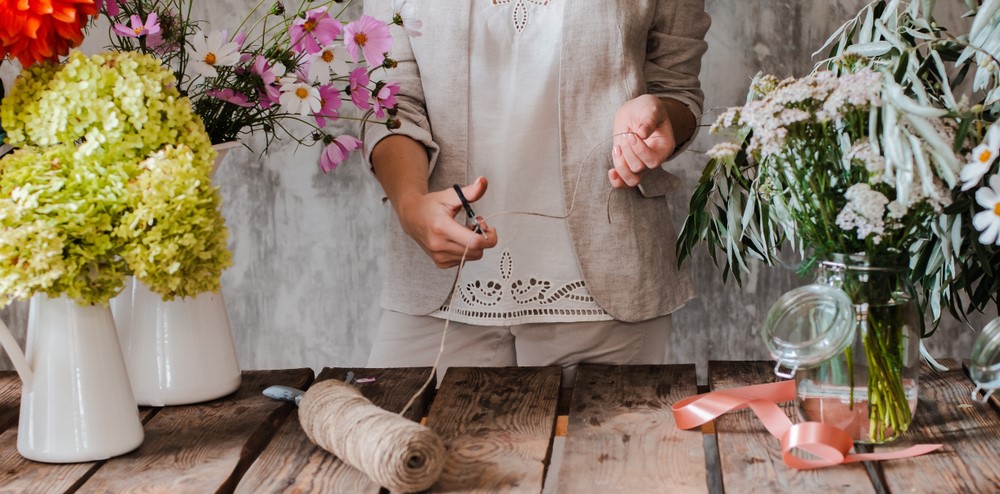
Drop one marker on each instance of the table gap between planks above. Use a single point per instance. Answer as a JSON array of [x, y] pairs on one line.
[[498, 425]]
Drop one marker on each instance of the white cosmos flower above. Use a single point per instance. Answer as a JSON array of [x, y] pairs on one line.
[[209, 52], [330, 58], [299, 97], [982, 159], [988, 221], [405, 12]]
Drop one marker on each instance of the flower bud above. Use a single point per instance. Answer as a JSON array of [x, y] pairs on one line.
[[277, 8]]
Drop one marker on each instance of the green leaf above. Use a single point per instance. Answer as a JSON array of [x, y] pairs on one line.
[[901, 66], [962, 133]]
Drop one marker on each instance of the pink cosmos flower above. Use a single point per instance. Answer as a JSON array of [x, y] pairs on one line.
[[150, 27], [239, 39], [315, 30], [268, 93], [329, 100], [360, 95], [371, 36], [110, 6], [337, 151], [386, 99], [156, 42], [230, 96]]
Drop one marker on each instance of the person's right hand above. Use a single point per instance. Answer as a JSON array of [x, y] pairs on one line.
[[430, 220]]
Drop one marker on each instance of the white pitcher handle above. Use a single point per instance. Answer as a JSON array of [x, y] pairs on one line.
[[9, 343]]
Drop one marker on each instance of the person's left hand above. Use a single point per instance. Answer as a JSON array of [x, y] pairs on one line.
[[644, 139]]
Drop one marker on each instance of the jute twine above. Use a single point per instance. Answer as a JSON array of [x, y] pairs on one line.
[[396, 453]]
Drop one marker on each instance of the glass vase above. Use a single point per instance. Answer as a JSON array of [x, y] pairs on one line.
[[984, 363], [869, 389]]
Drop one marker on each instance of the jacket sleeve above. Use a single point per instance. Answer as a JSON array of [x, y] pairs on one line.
[[674, 49], [412, 112]]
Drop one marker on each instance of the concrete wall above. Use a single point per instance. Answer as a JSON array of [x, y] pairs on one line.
[[308, 246]]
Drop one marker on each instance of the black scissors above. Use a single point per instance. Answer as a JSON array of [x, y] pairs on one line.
[[468, 211]]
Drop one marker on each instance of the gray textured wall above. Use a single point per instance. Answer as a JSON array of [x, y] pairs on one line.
[[308, 246]]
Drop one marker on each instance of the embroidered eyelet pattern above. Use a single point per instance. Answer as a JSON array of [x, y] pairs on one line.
[[519, 16], [532, 297]]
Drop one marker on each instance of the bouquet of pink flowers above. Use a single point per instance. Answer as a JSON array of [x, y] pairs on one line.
[[281, 70]]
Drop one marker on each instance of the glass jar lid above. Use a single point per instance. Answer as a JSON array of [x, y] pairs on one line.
[[807, 326], [984, 367]]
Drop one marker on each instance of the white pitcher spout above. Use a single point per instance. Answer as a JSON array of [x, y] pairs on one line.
[[9, 344]]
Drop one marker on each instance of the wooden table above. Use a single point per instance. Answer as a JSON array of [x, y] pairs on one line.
[[499, 424]]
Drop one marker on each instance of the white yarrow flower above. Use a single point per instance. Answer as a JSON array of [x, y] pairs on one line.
[[864, 153], [864, 212], [209, 52], [299, 97], [988, 221], [402, 10], [724, 150]]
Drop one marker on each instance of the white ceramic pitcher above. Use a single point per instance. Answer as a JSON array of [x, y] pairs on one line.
[[177, 352], [76, 402]]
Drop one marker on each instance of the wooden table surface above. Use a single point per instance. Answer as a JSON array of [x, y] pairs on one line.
[[499, 424]]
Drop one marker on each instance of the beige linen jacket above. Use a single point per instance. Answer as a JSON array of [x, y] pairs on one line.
[[612, 51]]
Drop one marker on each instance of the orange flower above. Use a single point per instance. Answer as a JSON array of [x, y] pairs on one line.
[[37, 30]]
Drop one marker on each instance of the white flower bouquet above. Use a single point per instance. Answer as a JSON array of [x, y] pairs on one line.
[[876, 152], [875, 155]]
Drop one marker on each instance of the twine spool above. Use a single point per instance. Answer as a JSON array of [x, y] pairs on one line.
[[394, 452]]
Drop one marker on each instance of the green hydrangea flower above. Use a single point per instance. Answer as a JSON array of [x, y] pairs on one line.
[[175, 245], [112, 177], [123, 103], [57, 221]]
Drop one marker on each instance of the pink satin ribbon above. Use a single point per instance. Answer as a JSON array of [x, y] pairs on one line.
[[828, 443]]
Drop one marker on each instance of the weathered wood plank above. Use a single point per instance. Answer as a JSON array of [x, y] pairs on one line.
[[970, 432], [10, 399], [20, 475], [205, 447], [622, 436], [292, 463], [25, 476], [750, 457], [497, 425]]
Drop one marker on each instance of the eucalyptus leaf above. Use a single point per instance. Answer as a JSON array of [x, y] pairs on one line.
[[865, 36], [872, 49]]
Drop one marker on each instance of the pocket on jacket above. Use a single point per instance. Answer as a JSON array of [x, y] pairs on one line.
[[658, 182]]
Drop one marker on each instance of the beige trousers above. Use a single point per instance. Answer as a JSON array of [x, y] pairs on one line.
[[404, 340]]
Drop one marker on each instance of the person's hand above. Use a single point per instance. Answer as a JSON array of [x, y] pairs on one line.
[[430, 220], [644, 139]]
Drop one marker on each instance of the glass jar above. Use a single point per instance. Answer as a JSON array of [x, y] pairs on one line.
[[984, 365], [864, 357]]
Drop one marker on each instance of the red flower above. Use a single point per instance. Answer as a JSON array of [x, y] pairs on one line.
[[36, 30]]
